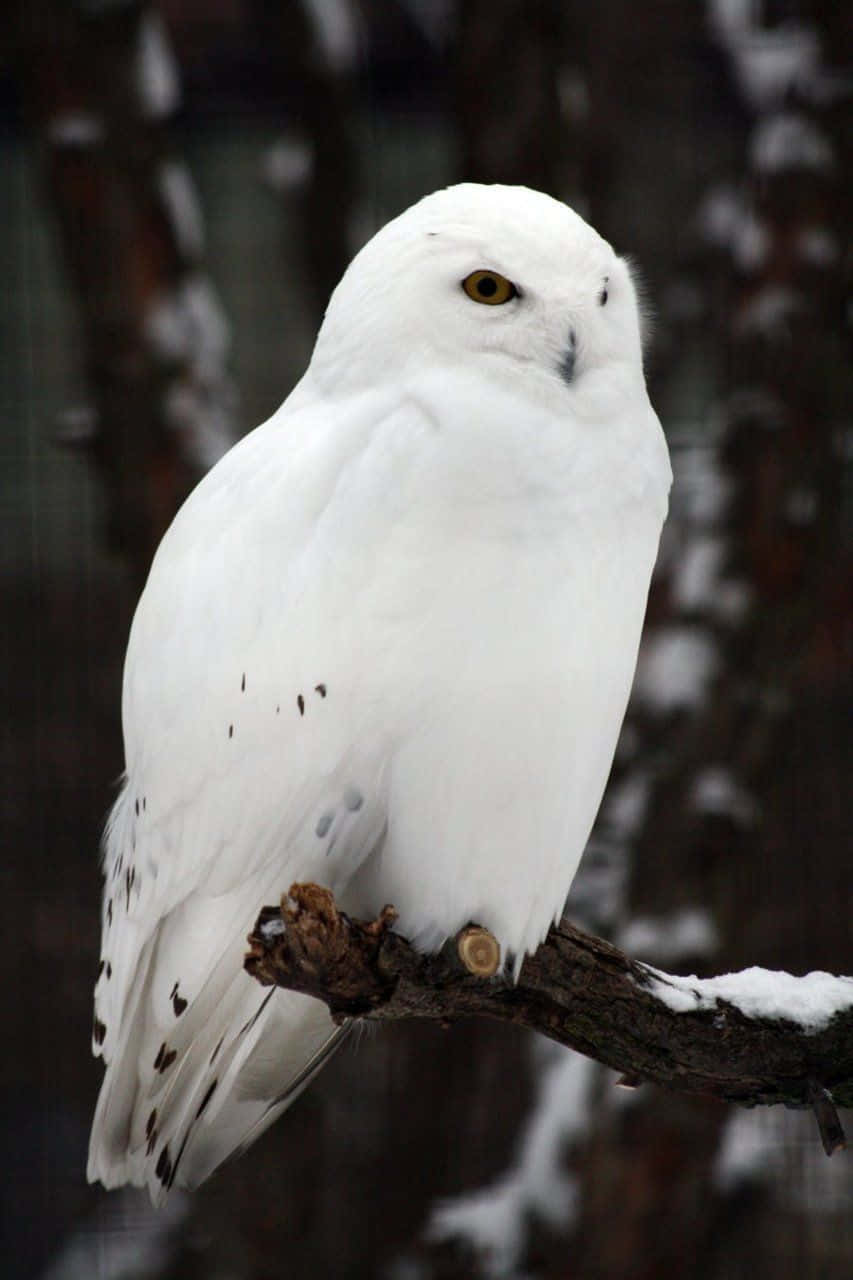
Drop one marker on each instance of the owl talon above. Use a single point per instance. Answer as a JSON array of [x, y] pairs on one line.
[[322, 951]]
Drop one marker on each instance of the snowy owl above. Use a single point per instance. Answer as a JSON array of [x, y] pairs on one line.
[[386, 646]]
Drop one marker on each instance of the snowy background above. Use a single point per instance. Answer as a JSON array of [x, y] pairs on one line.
[[181, 187]]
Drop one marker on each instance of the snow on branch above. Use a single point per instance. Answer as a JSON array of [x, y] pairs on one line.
[[753, 1038]]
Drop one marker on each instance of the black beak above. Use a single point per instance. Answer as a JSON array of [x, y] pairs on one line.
[[567, 364]]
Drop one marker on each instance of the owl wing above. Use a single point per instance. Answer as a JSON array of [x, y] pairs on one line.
[[253, 759]]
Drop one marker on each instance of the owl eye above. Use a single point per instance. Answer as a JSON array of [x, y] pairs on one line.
[[603, 295], [489, 287]]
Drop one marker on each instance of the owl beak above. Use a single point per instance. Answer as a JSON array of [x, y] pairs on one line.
[[567, 364]]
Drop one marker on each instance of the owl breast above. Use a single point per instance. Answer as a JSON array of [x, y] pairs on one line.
[[510, 697]]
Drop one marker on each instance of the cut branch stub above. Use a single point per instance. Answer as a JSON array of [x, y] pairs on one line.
[[479, 951]]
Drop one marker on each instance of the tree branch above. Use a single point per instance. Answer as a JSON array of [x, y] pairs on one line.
[[576, 989]]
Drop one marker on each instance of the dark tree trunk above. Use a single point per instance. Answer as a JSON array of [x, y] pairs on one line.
[[102, 91]]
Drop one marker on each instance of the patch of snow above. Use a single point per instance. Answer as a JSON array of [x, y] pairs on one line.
[[492, 1221], [597, 896], [288, 164], [715, 791], [335, 29], [702, 490], [157, 78], [696, 567], [777, 1146], [750, 243], [189, 323], [76, 129], [790, 141], [272, 928], [694, 584], [129, 1241], [772, 63], [673, 992], [188, 328], [573, 93], [727, 222], [178, 192], [733, 18], [676, 668], [203, 416], [718, 216], [560, 1121], [489, 1222], [748, 1151], [669, 939], [769, 62], [770, 312], [625, 805], [811, 1000]]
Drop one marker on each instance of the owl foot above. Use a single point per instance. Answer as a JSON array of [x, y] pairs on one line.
[[320, 951]]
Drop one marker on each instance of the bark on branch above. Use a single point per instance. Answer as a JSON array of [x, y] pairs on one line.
[[576, 989]]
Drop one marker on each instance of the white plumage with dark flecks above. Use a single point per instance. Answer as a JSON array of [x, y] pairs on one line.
[[386, 646]]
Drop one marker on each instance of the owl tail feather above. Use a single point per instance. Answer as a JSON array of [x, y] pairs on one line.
[[184, 1091]]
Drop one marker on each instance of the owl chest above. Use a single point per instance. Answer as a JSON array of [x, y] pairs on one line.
[[501, 621], [506, 699]]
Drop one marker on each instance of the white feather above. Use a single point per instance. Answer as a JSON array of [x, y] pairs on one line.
[[386, 645]]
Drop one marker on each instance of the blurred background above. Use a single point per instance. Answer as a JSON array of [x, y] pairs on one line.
[[181, 185]]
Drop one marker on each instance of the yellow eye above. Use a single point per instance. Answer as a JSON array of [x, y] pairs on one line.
[[489, 287]]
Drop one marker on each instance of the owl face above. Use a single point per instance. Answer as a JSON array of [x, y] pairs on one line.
[[499, 279]]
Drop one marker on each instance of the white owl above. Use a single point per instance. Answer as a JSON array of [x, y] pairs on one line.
[[385, 646]]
